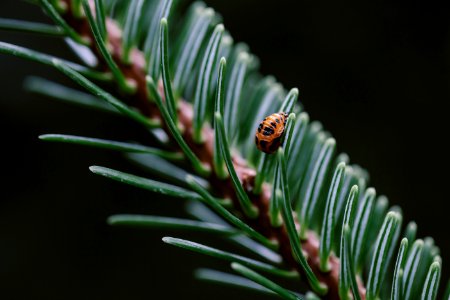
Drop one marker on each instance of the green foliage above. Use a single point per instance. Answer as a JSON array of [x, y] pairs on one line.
[[51, 10], [167, 82], [397, 288], [432, 282], [152, 44], [314, 183], [202, 91], [100, 18], [219, 146], [286, 212], [285, 294], [49, 60], [101, 45], [31, 27], [144, 183], [344, 275], [111, 145], [411, 268], [329, 221], [311, 192], [67, 95], [196, 247], [197, 164], [227, 279], [380, 262], [130, 28], [347, 263], [227, 215], [170, 223]]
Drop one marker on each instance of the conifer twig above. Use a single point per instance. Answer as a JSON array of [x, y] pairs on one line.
[[135, 72]]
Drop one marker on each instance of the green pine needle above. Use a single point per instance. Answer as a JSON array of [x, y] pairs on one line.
[[56, 17], [206, 250], [329, 221], [397, 282], [411, 231], [152, 42], [412, 265], [195, 161], [347, 261], [100, 18], [165, 70], [286, 211], [274, 208], [145, 183], [203, 213], [314, 186], [307, 151], [218, 158], [234, 93], [289, 130], [124, 84], [378, 215], [130, 28], [30, 27], [111, 145], [141, 221], [247, 206], [290, 101], [344, 275], [227, 279], [75, 7], [431, 285], [48, 60], [296, 150], [252, 275], [94, 89], [265, 167], [229, 216], [380, 261], [203, 93], [189, 43], [68, 95], [163, 169], [362, 219]]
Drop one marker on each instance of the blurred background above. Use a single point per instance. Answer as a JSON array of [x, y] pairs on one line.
[[375, 73]]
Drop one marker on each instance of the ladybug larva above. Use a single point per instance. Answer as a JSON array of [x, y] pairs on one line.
[[270, 132]]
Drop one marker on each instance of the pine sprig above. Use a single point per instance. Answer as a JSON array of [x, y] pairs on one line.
[[297, 182]]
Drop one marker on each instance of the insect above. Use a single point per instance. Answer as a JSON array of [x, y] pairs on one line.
[[270, 132]]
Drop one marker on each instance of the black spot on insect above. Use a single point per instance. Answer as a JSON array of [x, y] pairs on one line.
[[256, 140], [266, 133], [268, 129], [263, 144], [275, 144], [277, 120], [259, 129], [273, 124]]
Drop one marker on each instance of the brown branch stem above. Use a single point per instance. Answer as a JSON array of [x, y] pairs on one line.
[[136, 72]]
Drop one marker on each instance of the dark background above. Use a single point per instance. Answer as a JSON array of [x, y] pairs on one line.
[[376, 73]]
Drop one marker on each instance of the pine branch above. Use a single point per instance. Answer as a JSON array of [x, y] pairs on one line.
[[260, 210], [134, 70]]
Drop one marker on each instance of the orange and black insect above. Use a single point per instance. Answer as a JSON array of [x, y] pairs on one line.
[[270, 132]]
